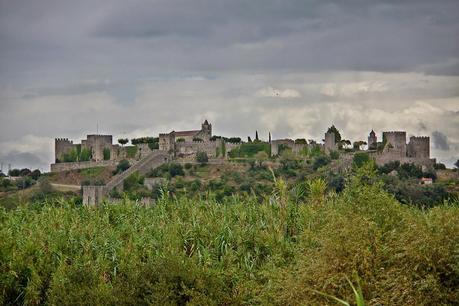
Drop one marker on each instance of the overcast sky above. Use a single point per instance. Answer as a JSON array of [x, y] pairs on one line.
[[141, 67]]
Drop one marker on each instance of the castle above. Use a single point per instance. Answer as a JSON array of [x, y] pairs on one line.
[[394, 148], [99, 150]]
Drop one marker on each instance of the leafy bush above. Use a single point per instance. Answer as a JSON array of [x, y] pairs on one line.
[[250, 149], [131, 151], [201, 157], [320, 161], [176, 169], [123, 165], [360, 159], [106, 153], [188, 166], [152, 140], [14, 172], [133, 182], [334, 154]]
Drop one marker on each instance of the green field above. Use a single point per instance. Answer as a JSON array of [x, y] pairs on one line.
[[239, 251]]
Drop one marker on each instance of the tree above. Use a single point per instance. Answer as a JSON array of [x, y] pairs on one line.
[[123, 141], [35, 174], [25, 172], [123, 165], [249, 139], [358, 144], [300, 141], [256, 136], [457, 164], [14, 172], [176, 169], [261, 157], [201, 157], [335, 131]]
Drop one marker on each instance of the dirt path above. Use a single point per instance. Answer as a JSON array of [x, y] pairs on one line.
[[64, 187]]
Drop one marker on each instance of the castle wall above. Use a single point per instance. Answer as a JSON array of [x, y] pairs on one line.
[[62, 146], [166, 141], [188, 149], [97, 143], [92, 195], [395, 143], [419, 147], [296, 147], [330, 142], [59, 167]]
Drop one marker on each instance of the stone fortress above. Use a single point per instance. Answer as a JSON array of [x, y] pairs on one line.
[[184, 145]]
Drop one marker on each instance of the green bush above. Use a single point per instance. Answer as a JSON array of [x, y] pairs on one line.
[[250, 149], [201, 157], [123, 165], [360, 159], [131, 151], [176, 169], [106, 153], [334, 154], [133, 182], [320, 161]]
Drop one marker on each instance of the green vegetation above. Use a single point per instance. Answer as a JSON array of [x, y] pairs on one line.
[[201, 157], [77, 154], [106, 153], [360, 159], [123, 141], [131, 151], [280, 251], [250, 149], [123, 165]]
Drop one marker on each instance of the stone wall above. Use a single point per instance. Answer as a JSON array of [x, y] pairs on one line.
[[188, 149], [382, 158], [59, 167], [296, 147], [62, 146], [419, 147], [395, 143], [330, 142], [92, 195]]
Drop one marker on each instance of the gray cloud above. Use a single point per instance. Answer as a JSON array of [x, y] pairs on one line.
[[440, 140], [289, 67]]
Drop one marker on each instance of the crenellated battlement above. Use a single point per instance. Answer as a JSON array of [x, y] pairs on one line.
[[63, 141], [420, 138], [397, 133]]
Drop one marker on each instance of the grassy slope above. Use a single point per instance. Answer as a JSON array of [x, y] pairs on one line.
[[201, 252]]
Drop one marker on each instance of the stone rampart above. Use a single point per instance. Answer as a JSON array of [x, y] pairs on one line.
[[59, 167]]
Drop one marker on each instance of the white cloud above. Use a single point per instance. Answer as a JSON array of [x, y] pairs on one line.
[[278, 93]]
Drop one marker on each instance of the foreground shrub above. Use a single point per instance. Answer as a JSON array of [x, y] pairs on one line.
[[201, 252]]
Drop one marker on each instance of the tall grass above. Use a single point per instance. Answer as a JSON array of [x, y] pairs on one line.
[[201, 252]]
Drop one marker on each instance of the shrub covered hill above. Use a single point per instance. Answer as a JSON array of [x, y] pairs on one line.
[[302, 245]]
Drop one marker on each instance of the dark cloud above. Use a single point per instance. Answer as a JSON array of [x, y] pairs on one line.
[[145, 66], [440, 141], [22, 160]]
